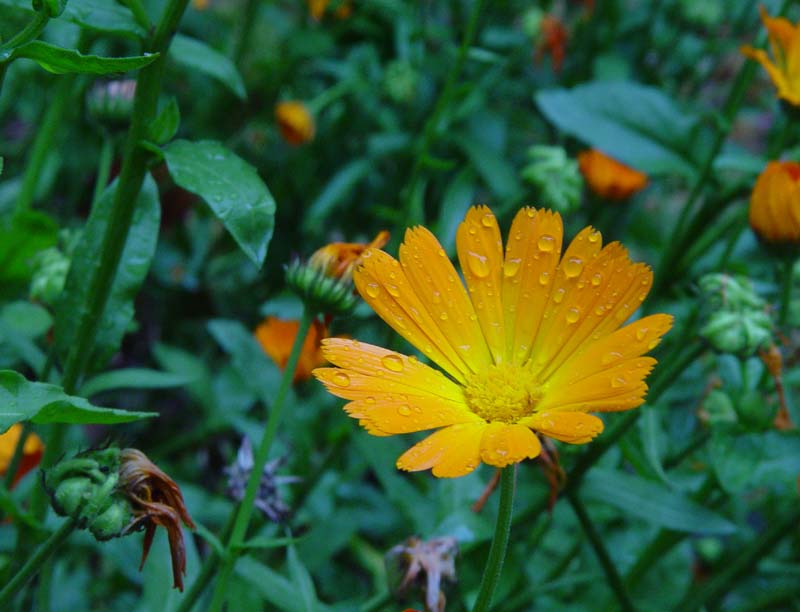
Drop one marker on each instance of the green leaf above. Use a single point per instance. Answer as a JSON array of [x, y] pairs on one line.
[[197, 55], [133, 378], [231, 187], [652, 502], [458, 197], [639, 125], [103, 16], [498, 174], [29, 319], [62, 61], [134, 264], [165, 126], [22, 236], [335, 192], [273, 587], [182, 363], [23, 400], [302, 581]]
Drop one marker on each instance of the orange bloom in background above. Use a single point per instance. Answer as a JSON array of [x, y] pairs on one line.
[[609, 178], [295, 122], [784, 67], [531, 346], [317, 8], [338, 259], [31, 452], [277, 336], [554, 37], [201, 5], [775, 203]]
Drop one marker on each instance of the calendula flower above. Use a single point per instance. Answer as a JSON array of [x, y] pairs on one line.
[[775, 203], [531, 345], [609, 178], [316, 8], [31, 452], [276, 337], [784, 67], [295, 122], [338, 259]]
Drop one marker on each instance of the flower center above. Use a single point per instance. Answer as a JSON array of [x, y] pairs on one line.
[[503, 393]]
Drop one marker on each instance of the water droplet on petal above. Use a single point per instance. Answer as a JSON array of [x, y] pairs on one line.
[[597, 278], [641, 333], [618, 381], [370, 400], [511, 267], [611, 357], [544, 278], [594, 236], [443, 316], [559, 295], [403, 410], [653, 344], [487, 220], [573, 267], [373, 290], [546, 243], [393, 363], [341, 379], [573, 314], [478, 264]]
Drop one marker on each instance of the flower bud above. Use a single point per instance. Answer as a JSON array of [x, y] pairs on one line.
[[742, 333], [50, 268], [110, 103], [556, 176], [295, 122], [400, 81], [736, 293]]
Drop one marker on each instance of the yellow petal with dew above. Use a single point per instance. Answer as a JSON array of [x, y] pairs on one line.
[[570, 427], [503, 444], [451, 452]]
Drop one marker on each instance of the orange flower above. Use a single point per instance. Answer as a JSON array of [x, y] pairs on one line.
[[784, 68], [295, 122], [276, 338], [609, 178], [775, 203], [338, 259], [317, 8], [531, 346], [200, 5], [554, 40], [31, 452]]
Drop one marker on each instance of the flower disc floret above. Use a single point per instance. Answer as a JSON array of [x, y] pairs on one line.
[[504, 393]]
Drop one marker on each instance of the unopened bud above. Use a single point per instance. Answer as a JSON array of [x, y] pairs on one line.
[[742, 333], [400, 81], [556, 176], [110, 103], [50, 268]]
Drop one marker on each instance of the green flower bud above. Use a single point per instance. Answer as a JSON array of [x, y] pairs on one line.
[[400, 81], [111, 522], [709, 549], [736, 293], [51, 8], [742, 333], [556, 177], [753, 411], [70, 495], [718, 408], [322, 292], [50, 268], [111, 103]]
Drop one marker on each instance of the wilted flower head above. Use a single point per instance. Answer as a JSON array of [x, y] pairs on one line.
[[784, 67], [532, 344], [113, 492], [775, 203], [418, 565], [268, 498], [295, 122], [608, 177], [276, 337], [31, 452], [338, 259]]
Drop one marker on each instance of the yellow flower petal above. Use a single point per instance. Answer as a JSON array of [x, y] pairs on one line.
[[451, 452], [439, 288], [382, 283], [571, 427], [480, 252], [503, 444], [532, 254]]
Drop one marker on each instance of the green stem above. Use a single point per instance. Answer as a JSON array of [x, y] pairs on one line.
[[262, 454], [413, 213], [740, 564], [43, 143], [103, 166], [243, 40], [35, 562], [497, 552], [786, 290], [28, 33], [610, 570]]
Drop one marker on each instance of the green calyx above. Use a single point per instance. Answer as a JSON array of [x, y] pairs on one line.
[[320, 292], [85, 489], [556, 176]]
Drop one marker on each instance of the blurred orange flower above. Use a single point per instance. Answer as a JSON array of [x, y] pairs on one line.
[[609, 178], [338, 259], [201, 5], [31, 452], [531, 346], [554, 37], [295, 122], [784, 67], [317, 8], [775, 203], [276, 337]]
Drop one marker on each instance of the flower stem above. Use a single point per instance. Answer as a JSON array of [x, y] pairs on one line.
[[497, 552], [35, 562], [103, 166], [245, 512], [610, 570]]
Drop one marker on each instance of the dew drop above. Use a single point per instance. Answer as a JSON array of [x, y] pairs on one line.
[[597, 278], [393, 290], [472, 230], [618, 381], [573, 314], [610, 358], [511, 267], [393, 363], [403, 410], [573, 267], [641, 333], [600, 311], [544, 278], [437, 297], [478, 265], [373, 290], [370, 400], [546, 243], [341, 379], [594, 236], [487, 220], [443, 316], [653, 344], [559, 295]]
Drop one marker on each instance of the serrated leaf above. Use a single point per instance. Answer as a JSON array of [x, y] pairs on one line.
[[232, 189], [132, 378], [131, 272], [23, 400], [165, 125], [641, 126], [62, 61], [652, 502], [197, 55]]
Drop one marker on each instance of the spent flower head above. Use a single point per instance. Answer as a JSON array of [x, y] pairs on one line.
[[532, 345], [422, 566]]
